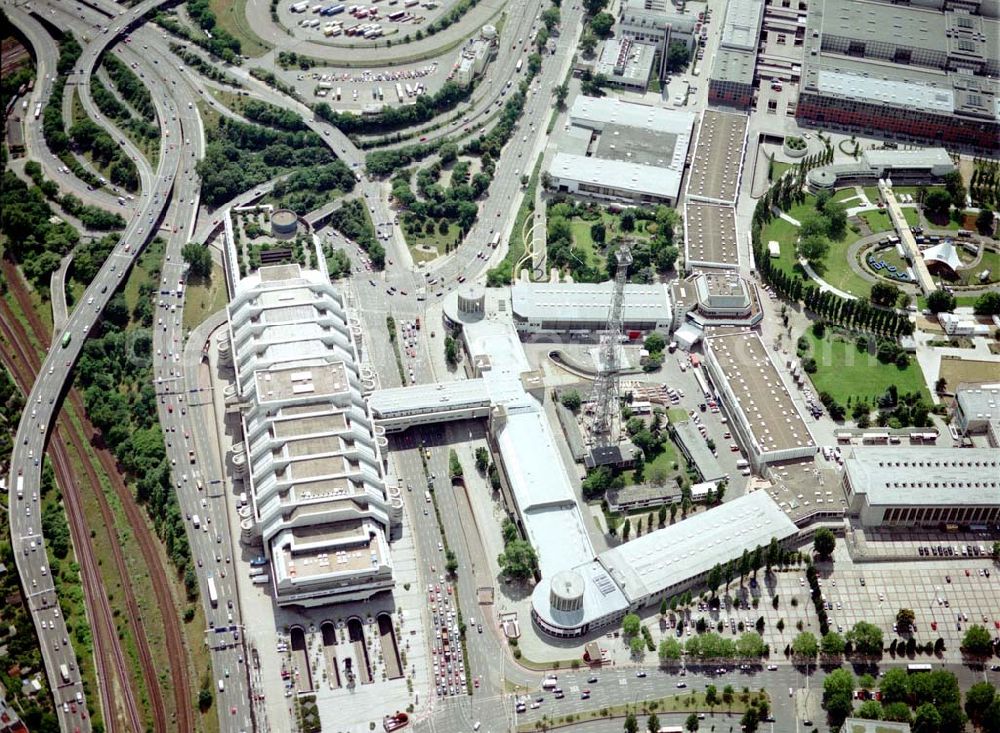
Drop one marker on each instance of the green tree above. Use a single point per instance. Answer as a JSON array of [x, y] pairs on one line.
[[824, 543], [750, 720], [678, 56], [805, 646], [450, 351], [601, 24], [904, 620], [987, 304], [482, 459], [813, 247], [894, 685], [978, 698], [832, 644], [984, 222], [631, 624], [653, 723], [204, 700], [626, 529], [750, 645], [518, 560], [199, 258], [937, 204], [588, 42], [926, 719], [941, 301], [714, 579], [655, 342], [669, 650], [977, 642], [838, 694], [836, 215], [691, 724], [869, 710], [571, 400], [990, 721], [711, 695], [631, 724], [865, 638]]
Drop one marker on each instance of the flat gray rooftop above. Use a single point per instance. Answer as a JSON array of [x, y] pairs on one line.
[[763, 399], [718, 156], [636, 145], [662, 559], [710, 234], [919, 475]]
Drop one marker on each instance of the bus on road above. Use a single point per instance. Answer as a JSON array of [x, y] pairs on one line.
[[67, 337], [20, 485], [911, 668], [213, 596], [495, 242]]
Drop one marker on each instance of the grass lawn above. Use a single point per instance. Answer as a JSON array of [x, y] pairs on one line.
[[845, 372], [150, 258], [834, 268], [991, 262], [232, 16], [780, 168], [676, 415], [837, 271], [845, 194], [874, 197], [687, 703], [665, 459], [879, 221], [203, 298], [435, 239], [785, 233]]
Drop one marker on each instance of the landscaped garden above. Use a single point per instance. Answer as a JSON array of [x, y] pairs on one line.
[[847, 373], [831, 263]]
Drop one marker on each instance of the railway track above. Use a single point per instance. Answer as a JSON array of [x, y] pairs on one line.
[[23, 365], [149, 546]]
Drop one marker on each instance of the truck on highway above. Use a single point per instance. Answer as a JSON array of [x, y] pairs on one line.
[[64, 671], [20, 485], [213, 595], [495, 242], [520, 64], [196, 521], [38, 110]]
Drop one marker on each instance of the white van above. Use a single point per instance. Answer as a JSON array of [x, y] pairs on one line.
[[550, 683], [222, 685]]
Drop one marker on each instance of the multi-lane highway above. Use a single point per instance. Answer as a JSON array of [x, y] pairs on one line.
[[36, 422], [168, 205]]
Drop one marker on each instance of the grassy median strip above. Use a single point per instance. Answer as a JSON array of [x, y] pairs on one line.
[[502, 274], [693, 702]]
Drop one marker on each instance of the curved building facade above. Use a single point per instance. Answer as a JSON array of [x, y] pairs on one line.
[[315, 466]]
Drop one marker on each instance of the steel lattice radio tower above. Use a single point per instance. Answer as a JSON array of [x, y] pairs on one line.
[[605, 397]]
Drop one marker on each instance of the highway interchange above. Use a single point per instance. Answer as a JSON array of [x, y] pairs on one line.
[[169, 206]]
